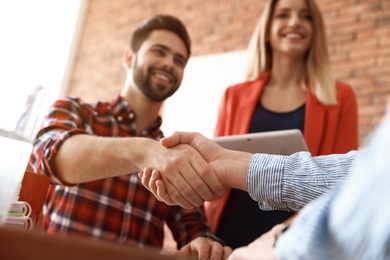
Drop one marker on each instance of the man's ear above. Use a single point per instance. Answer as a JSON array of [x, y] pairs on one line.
[[127, 59]]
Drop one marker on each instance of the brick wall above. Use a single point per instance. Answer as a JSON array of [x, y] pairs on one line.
[[359, 42]]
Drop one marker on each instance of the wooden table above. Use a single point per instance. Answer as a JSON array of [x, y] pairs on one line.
[[15, 244]]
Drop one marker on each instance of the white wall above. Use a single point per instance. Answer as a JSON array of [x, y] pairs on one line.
[[194, 107]]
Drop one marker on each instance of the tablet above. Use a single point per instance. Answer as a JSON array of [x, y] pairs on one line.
[[283, 142]]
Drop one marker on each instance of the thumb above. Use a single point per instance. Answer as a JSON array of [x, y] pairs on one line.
[[171, 141]]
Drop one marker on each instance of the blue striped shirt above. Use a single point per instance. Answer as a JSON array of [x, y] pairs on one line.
[[290, 182], [349, 213]]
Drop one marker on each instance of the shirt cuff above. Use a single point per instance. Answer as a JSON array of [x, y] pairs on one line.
[[264, 180]]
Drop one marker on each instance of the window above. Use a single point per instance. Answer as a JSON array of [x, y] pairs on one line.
[[37, 41]]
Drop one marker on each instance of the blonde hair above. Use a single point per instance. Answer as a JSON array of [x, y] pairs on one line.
[[318, 68]]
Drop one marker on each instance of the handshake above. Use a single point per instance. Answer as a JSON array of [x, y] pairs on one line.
[[199, 173]]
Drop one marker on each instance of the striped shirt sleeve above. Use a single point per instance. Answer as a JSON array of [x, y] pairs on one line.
[[290, 182]]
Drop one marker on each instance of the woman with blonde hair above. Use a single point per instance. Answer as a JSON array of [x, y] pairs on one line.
[[289, 85]]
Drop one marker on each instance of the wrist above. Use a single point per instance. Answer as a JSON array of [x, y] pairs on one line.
[[236, 170]]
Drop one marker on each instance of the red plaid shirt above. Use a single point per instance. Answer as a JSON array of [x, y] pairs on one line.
[[117, 209]]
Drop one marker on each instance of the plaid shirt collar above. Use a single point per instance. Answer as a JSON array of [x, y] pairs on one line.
[[124, 114]]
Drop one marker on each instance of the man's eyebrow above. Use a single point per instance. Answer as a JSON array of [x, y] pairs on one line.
[[285, 9], [162, 46]]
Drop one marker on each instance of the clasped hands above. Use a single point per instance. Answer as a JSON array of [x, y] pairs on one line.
[[205, 176], [210, 171]]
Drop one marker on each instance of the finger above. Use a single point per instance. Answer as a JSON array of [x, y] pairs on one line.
[[175, 188], [163, 194], [227, 251], [157, 187], [180, 174], [214, 186], [192, 175], [159, 190], [185, 250], [208, 186], [170, 141], [145, 177], [198, 247], [216, 251], [187, 181], [203, 179], [152, 183], [198, 181], [178, 196], [193, 193], [179, 138], [148, 182]]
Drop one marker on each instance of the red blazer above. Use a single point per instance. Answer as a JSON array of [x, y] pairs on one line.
[[327, 129]]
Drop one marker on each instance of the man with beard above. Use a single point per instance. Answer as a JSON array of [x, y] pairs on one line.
[[94, 192]]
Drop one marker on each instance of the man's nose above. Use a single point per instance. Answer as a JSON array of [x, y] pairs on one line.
[[168, 62]]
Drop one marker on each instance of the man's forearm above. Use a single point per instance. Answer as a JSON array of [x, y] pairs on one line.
[[83, 158]]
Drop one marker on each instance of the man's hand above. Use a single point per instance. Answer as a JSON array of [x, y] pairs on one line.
[[188, 178], [205, 248], [229, 166], [152, 181], [261, 248]]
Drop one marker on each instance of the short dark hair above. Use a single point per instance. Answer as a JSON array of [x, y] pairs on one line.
[[160, 22]]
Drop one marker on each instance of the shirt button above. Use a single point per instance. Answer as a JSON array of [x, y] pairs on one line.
[[131, 115], [119, 118]]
